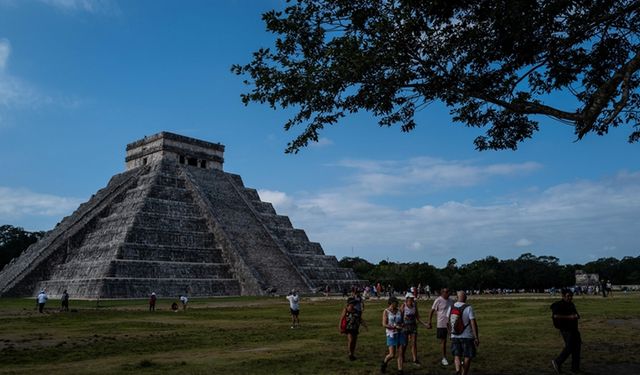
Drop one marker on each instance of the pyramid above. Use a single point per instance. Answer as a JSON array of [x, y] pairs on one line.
[[174, 222]]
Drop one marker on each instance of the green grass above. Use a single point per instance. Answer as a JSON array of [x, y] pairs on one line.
[[251, 335]]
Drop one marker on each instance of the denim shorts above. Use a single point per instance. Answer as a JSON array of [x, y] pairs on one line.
[[463, 348], [398, 339]]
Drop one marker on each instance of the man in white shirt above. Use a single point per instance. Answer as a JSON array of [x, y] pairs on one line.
[[465, 341], [441, 306], [294, 308], [42, 299]]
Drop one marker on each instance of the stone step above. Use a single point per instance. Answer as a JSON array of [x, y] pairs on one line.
[[315, 260], [291, 234], [170, 238], [170, 207], [308, 248], [264, 207], [150, 220], [166, 253], [250, 194], [169, 193], [142, 269], [141, 287], [173, 270], [276, 221]]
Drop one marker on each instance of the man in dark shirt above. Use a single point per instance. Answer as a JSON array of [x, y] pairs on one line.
[[565, 318]]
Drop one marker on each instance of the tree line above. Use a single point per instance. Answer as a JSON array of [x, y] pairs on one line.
[[528, 272]]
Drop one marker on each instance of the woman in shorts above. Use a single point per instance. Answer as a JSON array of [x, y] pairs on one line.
[[411, 318], [392, 321]]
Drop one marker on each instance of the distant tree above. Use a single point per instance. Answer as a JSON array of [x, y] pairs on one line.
[[13, 241], [360, 266], [495, 64], [630, 270]]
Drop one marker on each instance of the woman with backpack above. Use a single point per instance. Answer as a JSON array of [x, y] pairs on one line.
[[350, 322], [392, 321]]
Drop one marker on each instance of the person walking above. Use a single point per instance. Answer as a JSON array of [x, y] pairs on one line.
[[392, 321], [464, 334], [411, 318], [184, 300], [294, 308], [64, 301], [440, 307], [565, 318], [41, 300], [152, 301], [350, 321], [358, 300]]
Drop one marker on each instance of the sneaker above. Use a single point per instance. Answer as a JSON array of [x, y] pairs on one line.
[[352, 358], [383, 367], [417, 363], [556, 366], [444, 362], [292, 327], [400, 372]]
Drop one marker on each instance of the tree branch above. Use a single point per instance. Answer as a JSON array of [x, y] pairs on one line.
[[601, 98]]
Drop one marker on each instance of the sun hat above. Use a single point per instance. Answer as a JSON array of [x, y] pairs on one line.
[[409, 295]]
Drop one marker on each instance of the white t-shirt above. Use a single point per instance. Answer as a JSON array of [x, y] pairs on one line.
[[294, 302], [442, 306], [184, 300], [467, 315], [42, 298]]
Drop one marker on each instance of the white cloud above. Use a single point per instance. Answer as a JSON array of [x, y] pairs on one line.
[[393, 176], [13, 91], [322, 142], [16, 93], [88, 6], [569, 220], [5, 51], [17, 203], [416, 245], [523, 242], [277, 198]]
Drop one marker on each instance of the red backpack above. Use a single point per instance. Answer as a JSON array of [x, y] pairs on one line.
[[456, 322]]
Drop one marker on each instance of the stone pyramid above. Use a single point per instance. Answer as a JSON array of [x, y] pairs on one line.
[[174, 222]]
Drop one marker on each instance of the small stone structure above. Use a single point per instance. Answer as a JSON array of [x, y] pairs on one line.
[[174, 222]]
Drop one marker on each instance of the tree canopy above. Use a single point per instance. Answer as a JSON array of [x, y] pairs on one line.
[[496, 64], [13, 241]]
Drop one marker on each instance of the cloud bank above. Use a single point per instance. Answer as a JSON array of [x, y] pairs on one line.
[[16, 203], [577, 221]]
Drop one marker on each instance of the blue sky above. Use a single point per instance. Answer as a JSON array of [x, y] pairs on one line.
[[79, 79]]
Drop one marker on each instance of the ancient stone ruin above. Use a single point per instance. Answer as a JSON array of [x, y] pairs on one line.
[[174, 222]]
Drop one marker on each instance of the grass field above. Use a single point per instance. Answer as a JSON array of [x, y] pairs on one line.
[[249, 335]]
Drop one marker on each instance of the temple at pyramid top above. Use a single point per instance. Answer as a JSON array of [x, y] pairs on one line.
[[173, 223], [184, 150]]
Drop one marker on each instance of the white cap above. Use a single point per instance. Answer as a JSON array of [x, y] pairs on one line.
[[409, 295]]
